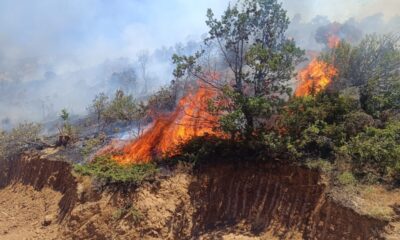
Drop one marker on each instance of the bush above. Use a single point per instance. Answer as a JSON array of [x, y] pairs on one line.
[[211, 149], [347, 179], [320, 164], [356, 122], [109, 171], [377, 152]]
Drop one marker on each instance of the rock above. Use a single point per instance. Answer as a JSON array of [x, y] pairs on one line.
[[48, 219]]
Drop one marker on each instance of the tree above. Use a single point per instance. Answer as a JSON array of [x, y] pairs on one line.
[[99, 105], [373, 66], [143, 59], [251, 39], [125, 108], [66, 132]]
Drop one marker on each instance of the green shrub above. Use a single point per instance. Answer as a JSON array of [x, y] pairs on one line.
[[108, 170], [356, 122], [207, 149], [377, 152], [347, 179], [321, 164]]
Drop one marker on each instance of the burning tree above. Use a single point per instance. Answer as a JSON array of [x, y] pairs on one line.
[[250, 37], [372, 66]]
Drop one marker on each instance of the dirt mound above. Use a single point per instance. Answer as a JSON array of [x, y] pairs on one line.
[[214, 202]]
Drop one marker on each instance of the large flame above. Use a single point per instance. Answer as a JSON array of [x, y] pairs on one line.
[[315, 77], [189, 119]]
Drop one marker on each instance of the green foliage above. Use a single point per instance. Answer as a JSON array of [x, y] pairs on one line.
[[99, 106], [251, 38], [64, 115], [300, 113], [373, 66], [356, 122], [313, 126], [380, 95], [124, 108], [347, 179], [320, 164], [210, 149], [109, 171], [376, 152]]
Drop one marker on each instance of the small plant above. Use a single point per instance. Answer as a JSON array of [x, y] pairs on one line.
[[347, 179], [118, 214], [135, 214], [108, 170], [323, 165], [127, 211]]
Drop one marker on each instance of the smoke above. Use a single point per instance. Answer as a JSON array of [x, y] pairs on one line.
[[59, 54]]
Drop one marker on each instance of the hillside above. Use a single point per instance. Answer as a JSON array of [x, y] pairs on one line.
[[214, 202]]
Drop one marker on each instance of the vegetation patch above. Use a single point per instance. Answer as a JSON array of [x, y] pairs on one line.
[[106, 169]]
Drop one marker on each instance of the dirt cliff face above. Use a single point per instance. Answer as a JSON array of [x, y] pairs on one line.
[[284, 202], [214, 202], [31, 170]]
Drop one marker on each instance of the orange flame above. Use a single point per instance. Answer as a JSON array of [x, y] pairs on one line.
[[315, 78], [189, 119]]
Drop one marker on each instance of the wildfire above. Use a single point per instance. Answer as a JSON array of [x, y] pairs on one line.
[[189, 119], [315, 77]]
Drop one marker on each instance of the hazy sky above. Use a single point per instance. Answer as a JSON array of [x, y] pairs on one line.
[[89, 31]]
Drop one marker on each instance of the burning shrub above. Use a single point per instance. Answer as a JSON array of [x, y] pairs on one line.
[[106, 169], [251, 37], [331, 34], [373, 66]]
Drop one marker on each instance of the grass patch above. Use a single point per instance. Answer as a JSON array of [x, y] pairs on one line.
[[108, 170], [347, 179]]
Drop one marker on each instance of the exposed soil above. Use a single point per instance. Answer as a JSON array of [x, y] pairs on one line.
[[28, 214], [214, 202]]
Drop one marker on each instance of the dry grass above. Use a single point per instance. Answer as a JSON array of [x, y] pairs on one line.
[[378, 202]]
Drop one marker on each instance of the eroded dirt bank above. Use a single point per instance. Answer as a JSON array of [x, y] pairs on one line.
[[213, 202]]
